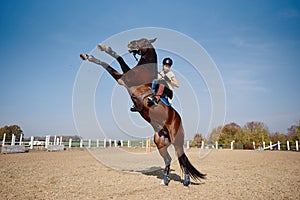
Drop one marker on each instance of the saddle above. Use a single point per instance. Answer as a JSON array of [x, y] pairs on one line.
[[138, 100]]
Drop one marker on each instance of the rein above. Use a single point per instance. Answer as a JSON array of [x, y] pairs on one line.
[[134, 55]]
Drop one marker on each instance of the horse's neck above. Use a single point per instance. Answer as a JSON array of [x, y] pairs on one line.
[[149, 57], [144, 72]]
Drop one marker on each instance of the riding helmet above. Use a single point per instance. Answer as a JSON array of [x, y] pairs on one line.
[[168, 61]]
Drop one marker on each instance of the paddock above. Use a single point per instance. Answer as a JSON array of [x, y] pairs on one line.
[[76, 174]]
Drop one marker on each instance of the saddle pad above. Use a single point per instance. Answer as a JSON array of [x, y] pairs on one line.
[[165, 101]]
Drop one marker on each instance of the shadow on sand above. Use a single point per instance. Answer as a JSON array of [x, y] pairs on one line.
[[158, 173]]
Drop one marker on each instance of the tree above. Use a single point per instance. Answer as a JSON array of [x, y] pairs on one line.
[[275, 137], [197, 140], [9, 130], [229, 133], [215, 134], [256, 132], [294, 133]]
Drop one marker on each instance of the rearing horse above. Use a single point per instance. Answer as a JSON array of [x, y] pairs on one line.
[[165, 120]]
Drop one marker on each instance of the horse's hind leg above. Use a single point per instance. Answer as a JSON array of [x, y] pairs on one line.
[[102, 47], [114, 73], [162, 144], [185, 165]]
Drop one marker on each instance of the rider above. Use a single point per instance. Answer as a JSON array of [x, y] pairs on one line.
[[165, 82], [163, 85]]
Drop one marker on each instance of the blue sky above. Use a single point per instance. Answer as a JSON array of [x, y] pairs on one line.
[[255, 45]]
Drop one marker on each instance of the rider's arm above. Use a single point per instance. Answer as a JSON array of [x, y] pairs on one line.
[[174, 82]]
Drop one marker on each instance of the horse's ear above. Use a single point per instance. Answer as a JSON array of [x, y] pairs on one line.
[[153, 40]]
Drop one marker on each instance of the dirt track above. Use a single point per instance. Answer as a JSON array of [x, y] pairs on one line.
[[76, 174]]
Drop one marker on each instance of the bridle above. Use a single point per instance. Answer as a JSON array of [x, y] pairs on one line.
[[139, 47]]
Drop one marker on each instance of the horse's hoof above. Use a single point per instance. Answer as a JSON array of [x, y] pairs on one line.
[[84, 56], [163, 182], [186, 180], [101, 47], [166, 180], [186, 183]]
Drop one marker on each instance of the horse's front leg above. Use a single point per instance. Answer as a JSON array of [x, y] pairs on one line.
[[102, 47], [114, 73], [162, 144]]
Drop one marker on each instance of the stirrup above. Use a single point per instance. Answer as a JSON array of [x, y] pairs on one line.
[[152, 101]]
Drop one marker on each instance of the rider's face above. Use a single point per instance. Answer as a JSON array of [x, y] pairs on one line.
[[166, 68]]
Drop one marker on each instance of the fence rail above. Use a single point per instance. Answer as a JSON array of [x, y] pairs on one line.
[[51, 141]]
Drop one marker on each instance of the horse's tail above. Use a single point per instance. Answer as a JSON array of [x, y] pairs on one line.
[[188, 168]]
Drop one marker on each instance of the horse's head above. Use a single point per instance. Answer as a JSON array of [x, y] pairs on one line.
[[146, 68], [140, 46]]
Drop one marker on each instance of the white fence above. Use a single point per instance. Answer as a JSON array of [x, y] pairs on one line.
[[58, 141], [271, 146], [51, 141]]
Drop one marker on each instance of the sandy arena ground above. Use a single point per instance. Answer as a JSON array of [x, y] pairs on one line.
[[76, 174]]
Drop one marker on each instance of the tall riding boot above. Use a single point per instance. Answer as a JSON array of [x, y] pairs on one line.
[[160, 91]]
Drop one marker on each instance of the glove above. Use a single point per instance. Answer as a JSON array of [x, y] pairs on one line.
[[167, 79]]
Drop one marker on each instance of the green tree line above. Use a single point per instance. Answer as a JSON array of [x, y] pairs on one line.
[[252, 132]]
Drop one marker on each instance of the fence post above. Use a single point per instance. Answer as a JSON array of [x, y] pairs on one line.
[[3, 141], [264, 144], [232, 144], [81, 143], [278, 144], [128, 144], [148, 145], [90, 143], [202, 144], [54, 141], [115, 142], [60, 141], [12, 140], [31, 142], [70, 142], [217, 145], [21, 137], [121, 143], [188, 144], [97, 143], [297, 145], [46, 141], [253, 145], [288, 145], [109, 142]]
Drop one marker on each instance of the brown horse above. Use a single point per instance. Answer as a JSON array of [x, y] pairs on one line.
[[165, 120]]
